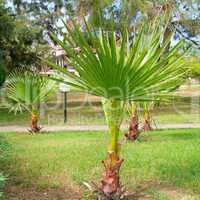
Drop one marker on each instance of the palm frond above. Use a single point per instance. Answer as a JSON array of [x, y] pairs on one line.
[[26, 89], [119, 70]]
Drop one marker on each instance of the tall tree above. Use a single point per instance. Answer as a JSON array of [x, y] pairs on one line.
[[6, 32], [183, 16], [20, 42], [45, 14]]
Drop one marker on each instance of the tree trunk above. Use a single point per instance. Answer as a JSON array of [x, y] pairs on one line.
[[110, 183], [133, 131], [147, 122], [166, 35], [34, 122]]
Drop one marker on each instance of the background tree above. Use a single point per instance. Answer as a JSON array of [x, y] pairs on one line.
[[183, 17], [6, 31], [2, 75], [20, 42]]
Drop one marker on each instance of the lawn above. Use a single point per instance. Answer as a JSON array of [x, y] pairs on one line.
[[94, 116], [163, 163]]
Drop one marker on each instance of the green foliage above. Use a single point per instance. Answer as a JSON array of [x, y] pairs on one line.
[[20, 43], [6, 32], [26, 89], [196, 70], [194, 64], [2, 180], [121, 71], [2, 75], [43, 15], [147, 106]]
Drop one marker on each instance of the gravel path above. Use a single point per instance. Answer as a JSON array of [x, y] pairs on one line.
[[91, 127]]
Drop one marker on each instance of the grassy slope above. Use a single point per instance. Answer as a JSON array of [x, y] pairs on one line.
[[168, 157]]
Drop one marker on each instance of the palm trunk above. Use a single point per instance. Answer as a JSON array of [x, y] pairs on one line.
[[34, 122], [147, 122], [110, 183], [133, 131]]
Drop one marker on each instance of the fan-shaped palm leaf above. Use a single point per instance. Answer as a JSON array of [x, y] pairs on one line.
[[122, 72], [25, 90]]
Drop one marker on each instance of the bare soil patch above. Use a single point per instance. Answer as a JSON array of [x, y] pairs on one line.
[[19, 193], [178, 194]]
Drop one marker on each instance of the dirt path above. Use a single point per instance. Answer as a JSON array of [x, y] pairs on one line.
[[91, 127], [19, 193]]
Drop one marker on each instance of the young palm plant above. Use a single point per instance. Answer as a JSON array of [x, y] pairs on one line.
[[133, 131], [147, 108], [25, 91], [119, 72]]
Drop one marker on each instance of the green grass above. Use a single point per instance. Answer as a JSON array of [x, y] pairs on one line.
[[164, 158], [162, 118], [9, 118], [93, 116]]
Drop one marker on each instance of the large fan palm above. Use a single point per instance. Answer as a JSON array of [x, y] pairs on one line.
[[119, 71], [25, 90]]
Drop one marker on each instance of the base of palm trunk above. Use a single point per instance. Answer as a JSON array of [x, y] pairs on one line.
[[133, 132], [35, 129], [110, 188], [147, 125], [34, 125], [110, 184]]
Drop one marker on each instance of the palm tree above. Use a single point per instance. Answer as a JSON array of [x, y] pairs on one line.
[[25, 90], [133, 131], [147, 107], [119, 72]]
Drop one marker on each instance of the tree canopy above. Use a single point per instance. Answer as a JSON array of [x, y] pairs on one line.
[[25, 25], [20, 42]]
